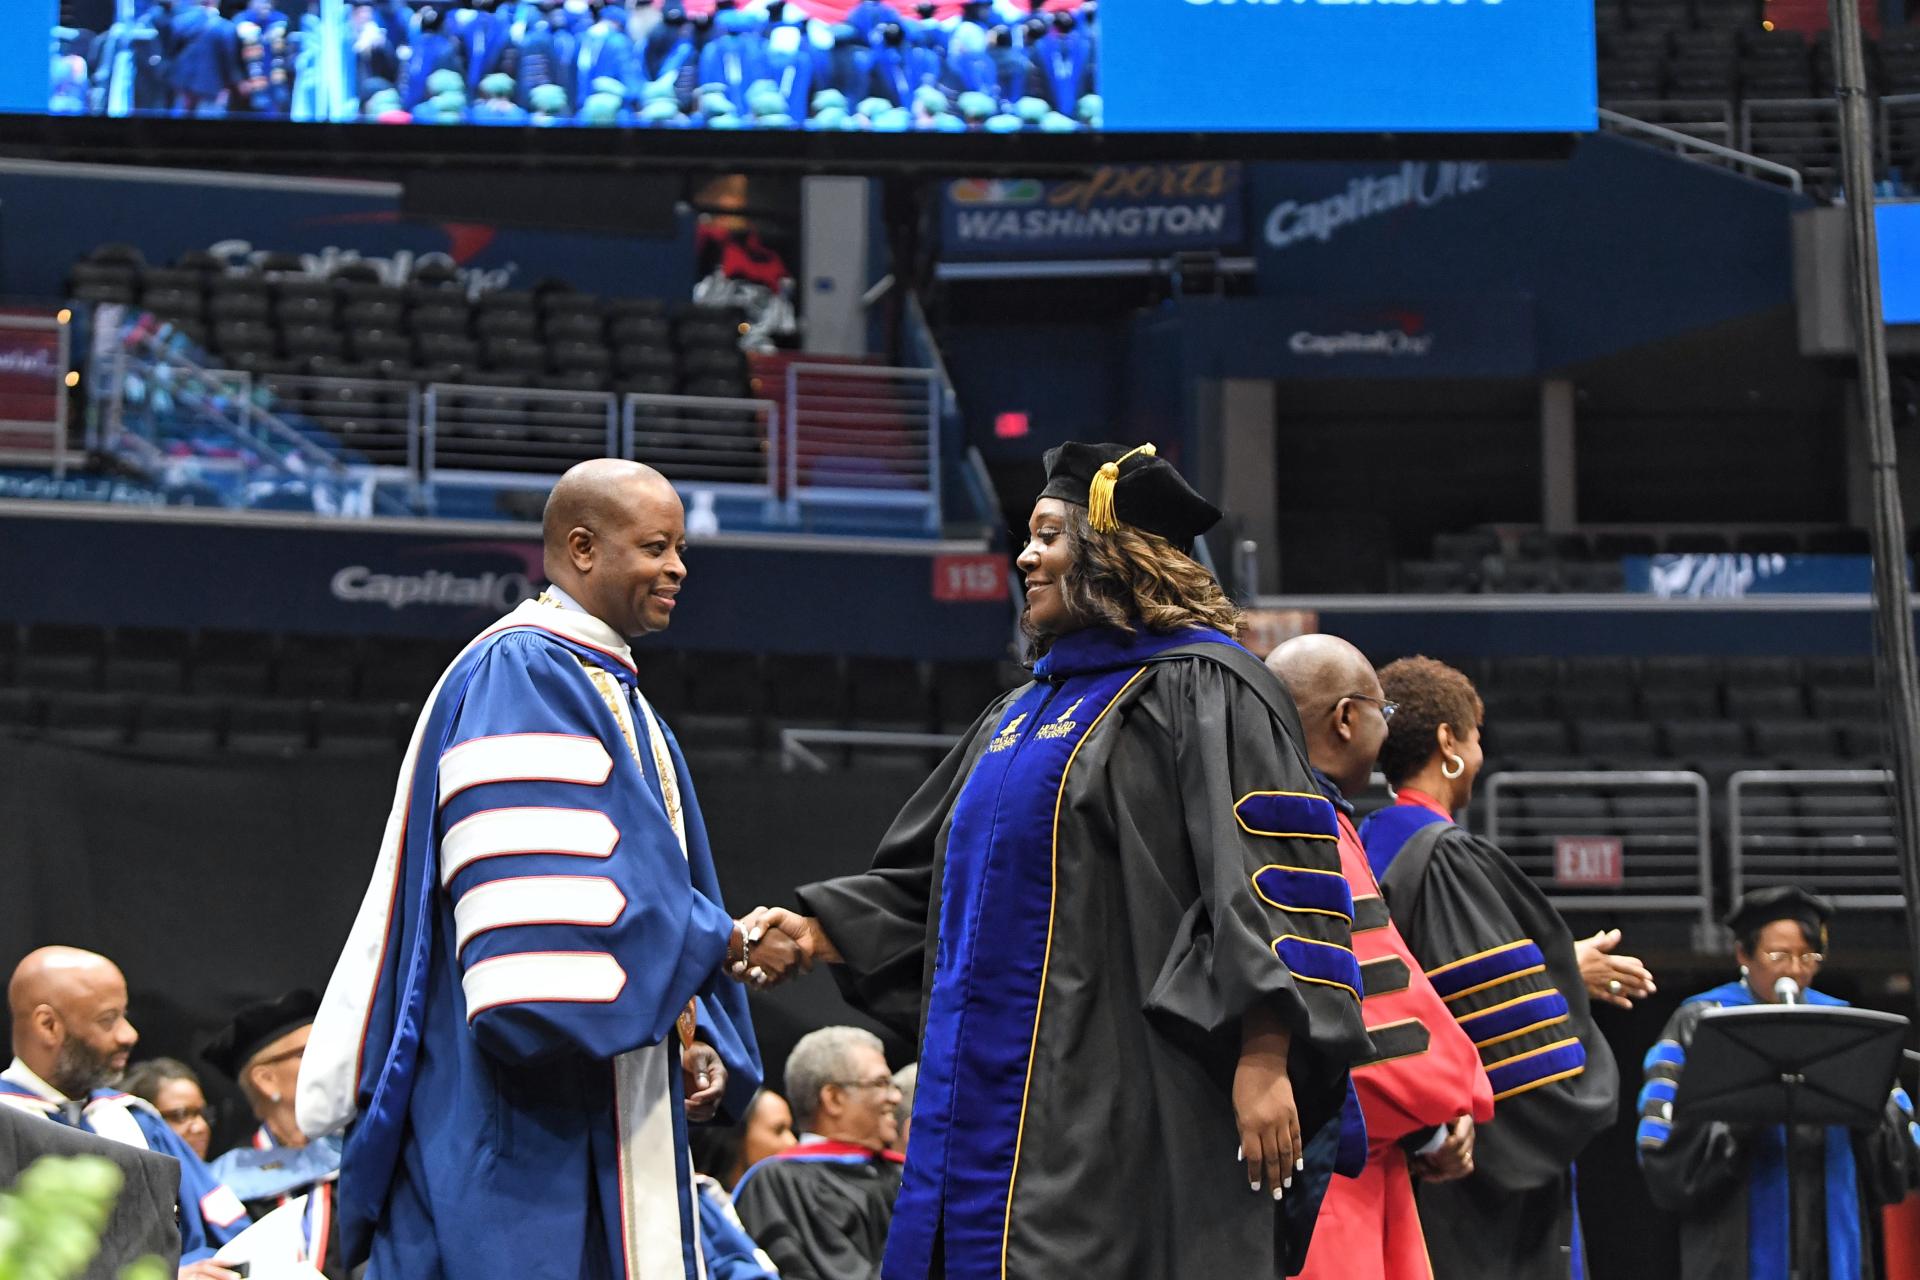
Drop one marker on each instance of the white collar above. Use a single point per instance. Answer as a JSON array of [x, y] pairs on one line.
[[562, 599], [23, 1075], [572, 623]]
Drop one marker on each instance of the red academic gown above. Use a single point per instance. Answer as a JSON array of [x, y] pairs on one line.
[[1425, 1073]]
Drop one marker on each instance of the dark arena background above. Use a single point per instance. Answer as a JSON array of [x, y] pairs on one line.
[[1512, 333]]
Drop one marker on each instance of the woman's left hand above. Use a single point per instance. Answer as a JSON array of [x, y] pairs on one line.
[[1618, 980], [1264, 1109]]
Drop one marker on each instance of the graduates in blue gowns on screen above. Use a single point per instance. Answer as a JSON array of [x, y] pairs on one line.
[[1729, 1183]]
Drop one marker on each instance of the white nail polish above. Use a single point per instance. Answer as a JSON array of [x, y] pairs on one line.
[[1277, 1193], [1299, 1164], [1240, 1153], [1286, 1183], [1254, 1187]]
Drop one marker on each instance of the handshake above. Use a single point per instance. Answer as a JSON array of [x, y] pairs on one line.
[[774, 945]]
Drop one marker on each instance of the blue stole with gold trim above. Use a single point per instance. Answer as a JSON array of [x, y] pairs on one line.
[[996, 938]]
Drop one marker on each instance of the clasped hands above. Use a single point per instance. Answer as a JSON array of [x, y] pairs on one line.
[[772, 945]]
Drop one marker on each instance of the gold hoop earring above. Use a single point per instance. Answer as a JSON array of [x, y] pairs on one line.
[[1453, 768]]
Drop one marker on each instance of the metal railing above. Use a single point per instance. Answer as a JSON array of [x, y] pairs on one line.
[[864, 430], [1801, 127], [1827, 830], [719, 444], [1701, 131], [369, 421], [1899, 134], [858, 435], [472, 433], [1608, 840]]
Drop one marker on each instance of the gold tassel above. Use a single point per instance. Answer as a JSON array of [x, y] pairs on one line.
[[1100, 513]]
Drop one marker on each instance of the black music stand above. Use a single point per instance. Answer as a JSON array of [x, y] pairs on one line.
[[1792, 1064]]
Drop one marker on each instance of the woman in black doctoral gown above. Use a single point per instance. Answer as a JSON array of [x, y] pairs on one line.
[[1116, 919]]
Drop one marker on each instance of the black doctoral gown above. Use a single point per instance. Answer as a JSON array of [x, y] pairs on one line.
[[1076, 909], [1502, 959], [820, 1210], [1728, 1182]]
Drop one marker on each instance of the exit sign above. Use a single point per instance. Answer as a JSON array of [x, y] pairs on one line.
[[1588, 861]]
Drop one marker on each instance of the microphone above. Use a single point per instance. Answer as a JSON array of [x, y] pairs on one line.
[[1786, 990]]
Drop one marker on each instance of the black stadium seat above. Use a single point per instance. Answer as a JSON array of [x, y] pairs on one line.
[[1526, 739], [21, 711], [1756, 703], [268, 727], [172, 723], [346, 728], [1795, 744], [1597, 700], [1701, 740], [88, 719], [1848, 703], [1617, 740]]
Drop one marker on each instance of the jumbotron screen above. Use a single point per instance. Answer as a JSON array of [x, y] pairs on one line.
[[887, 66]]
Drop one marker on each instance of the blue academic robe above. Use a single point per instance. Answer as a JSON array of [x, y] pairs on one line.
[[734, 62], [667, 50], [792, 74], [483, 37], [606, 52], [1065, 65], [266, 1170], [210, 1213], [432, 51], [502, 1022]]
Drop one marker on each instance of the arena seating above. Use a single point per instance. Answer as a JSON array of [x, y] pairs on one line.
[[1710, 715], [256, 693], [1531, 561], [278, 318], [1713, 69]]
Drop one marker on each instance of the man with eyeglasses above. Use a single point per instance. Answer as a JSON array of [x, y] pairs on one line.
[[261, 1051], [1422, 1088], [1729, 1182], [821, 1209]]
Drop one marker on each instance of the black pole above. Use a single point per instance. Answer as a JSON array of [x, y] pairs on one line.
[[1894, 663]]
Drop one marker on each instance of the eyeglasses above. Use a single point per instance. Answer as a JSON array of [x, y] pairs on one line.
[[1798, 959], [184, 1115], [882, 1083], [1386, 708]]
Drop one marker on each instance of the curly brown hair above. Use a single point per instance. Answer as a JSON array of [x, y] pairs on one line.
[[1129, 579], [1430, 694]]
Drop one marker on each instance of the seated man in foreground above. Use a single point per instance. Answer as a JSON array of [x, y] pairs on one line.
[[71, 1041], [821, 1209]]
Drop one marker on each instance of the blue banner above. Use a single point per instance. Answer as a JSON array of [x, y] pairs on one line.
[[339, 579], [1117, 211], [1898, 225], [1705, 576], [1333, 65], [50, 220], [1622, 245]]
